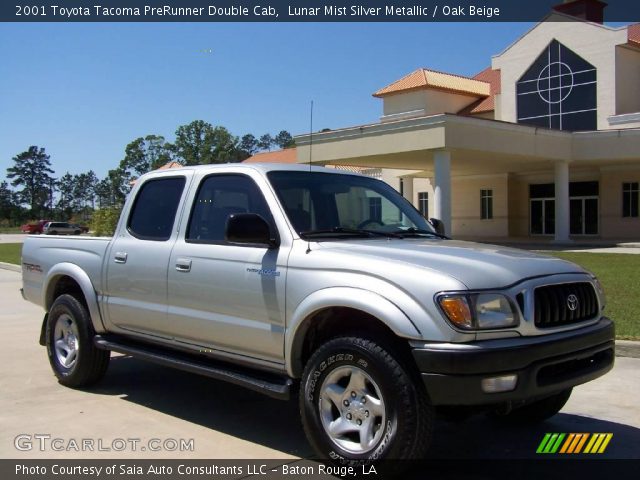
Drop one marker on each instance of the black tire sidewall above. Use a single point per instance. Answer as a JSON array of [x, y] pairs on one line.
[[348, 353], [66, 304]]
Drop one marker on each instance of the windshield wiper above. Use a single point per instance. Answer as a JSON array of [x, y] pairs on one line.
[[350, 231], [418, 231]]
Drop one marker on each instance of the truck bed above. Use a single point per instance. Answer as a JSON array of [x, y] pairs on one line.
[[40, 254]]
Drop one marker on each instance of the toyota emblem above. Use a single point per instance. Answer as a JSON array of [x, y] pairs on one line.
[[572, 302]]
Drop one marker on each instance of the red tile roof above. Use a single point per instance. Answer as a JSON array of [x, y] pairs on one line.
[[166, 166], [426, 79], [492, 77], [633, 34], [170, 165], [288, 155], [348, 168]]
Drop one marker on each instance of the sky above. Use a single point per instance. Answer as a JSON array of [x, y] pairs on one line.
[[84, 91]]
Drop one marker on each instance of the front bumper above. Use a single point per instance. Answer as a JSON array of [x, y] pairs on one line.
[[452, 373]]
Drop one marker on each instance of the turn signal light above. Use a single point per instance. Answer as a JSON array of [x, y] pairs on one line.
[[457, 310]]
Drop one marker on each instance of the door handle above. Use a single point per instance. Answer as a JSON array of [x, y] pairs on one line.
[[183, 265], [120, 257]]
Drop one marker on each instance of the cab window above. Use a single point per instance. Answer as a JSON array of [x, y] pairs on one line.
[[218, 197], [154, 210]]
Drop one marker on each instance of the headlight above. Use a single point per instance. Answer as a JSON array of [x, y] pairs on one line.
[[600, 290], [478, 311], [598, 285]]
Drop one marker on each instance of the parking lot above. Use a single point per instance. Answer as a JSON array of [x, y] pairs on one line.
[[143, 402]]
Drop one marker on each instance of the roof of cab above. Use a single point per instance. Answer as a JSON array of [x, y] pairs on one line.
[[261, 167]]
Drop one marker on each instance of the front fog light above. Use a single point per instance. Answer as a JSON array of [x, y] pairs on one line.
[[505, 383]]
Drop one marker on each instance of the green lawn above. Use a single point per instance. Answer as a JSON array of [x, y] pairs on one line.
[[10, 252], [10, 230], [619, 274]]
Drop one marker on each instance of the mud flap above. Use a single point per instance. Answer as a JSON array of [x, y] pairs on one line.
[[43, 330]]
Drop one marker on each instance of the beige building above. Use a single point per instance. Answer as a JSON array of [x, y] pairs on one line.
[[543, 143]]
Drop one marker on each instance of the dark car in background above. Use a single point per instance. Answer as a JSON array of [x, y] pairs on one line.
[[61, 228], [82, 228]]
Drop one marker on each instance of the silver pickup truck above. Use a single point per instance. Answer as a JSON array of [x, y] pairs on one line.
[[297, 280]]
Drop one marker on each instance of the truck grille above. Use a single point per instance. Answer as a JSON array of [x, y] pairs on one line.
[[564, 304]]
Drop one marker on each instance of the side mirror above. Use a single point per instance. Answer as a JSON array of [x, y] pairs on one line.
[[249, 229], [438, 225]]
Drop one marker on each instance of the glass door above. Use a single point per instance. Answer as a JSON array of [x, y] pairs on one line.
[[591, 216], [542, 216], [583, 214], [576, 216]]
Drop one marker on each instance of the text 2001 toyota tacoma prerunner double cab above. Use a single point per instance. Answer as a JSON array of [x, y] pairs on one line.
[[276, 276]]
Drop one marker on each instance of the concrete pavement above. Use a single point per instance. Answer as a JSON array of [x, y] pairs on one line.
[[12, 237], [629, 250], [137, 400]]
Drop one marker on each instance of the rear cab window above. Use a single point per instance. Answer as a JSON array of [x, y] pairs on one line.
[[154, 210]]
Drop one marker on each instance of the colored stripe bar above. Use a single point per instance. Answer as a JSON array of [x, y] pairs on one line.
[[574, 444], [555, 447], [567, 443], [543, 443], [581, 443], [607, 439], [550, 443], [596, 445], [590, 444]]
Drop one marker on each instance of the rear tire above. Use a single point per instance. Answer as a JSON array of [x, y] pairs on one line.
[[537, 411], [359, 404], [75, 360]]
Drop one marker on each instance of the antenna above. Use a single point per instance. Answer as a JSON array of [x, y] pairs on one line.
[[310, 155], [311, 135]]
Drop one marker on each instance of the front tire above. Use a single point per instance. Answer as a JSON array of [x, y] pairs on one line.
[[75, 360], [359, 404]]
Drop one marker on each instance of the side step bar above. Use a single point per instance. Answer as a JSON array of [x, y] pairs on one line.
[[269, 384]]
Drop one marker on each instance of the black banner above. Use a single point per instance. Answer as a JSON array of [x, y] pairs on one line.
[[478, 469], [299, 11]]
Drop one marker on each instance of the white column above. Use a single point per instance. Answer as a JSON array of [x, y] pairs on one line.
[[442, 188], [407, 188], [561, 181]]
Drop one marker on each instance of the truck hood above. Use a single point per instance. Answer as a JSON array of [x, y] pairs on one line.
[[475, 265]]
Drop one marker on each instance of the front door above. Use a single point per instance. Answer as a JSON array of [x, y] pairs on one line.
[[223, 297]]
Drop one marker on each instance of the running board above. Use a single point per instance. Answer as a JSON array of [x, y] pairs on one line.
[[269, 384]]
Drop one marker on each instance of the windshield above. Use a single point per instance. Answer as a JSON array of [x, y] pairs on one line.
[[329, 204]]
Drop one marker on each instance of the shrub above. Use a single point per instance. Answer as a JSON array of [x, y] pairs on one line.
[[105, 221]]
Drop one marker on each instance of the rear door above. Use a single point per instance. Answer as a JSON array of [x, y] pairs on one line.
[[225, 297], [136, 272]]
